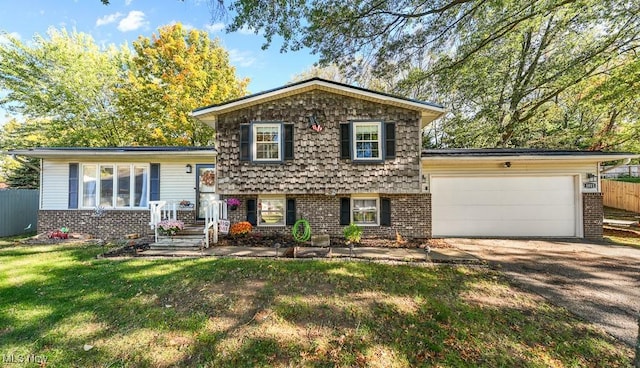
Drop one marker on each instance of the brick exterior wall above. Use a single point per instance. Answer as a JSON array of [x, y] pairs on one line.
[[410, 216], [109, 225], [317, 167], [592, 215]]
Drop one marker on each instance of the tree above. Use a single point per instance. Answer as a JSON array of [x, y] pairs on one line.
[[66, 86], [171, 74], [500, 66], [20, 135]]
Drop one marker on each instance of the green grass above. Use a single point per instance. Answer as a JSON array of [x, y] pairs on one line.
[[628, 179], [245, 313], [618, 239]]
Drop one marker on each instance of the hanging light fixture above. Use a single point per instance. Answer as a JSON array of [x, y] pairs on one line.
[[188, 169]]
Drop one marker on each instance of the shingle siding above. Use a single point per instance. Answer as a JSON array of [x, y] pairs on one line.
[[317, 167]]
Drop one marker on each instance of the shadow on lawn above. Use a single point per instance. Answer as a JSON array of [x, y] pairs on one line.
[[231, 312]]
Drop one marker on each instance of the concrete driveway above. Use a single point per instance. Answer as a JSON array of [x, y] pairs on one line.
[[600, 283]]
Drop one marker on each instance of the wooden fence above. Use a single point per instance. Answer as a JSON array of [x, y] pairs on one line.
[[621, 195], [18, 211]]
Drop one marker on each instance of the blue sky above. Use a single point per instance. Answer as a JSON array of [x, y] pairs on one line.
[[124, 20]]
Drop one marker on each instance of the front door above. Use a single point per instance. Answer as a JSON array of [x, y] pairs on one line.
[[205, 187]]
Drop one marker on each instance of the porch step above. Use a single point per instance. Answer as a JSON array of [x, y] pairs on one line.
[[194, 229], [177, 243]]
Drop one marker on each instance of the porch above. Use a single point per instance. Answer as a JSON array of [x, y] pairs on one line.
[[193, 236]]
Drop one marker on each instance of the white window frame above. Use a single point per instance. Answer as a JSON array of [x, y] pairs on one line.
[[283, 199], [365, 197], [354, 141], [114, 198], [254, 140]]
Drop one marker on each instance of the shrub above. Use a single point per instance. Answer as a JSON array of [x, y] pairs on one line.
[[240, 228], [352, 233]]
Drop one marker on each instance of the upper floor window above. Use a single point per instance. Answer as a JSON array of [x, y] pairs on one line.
[[367, 141], [266, 142]]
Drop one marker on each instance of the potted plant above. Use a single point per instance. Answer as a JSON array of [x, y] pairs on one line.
[[233, 203], [170, 227]]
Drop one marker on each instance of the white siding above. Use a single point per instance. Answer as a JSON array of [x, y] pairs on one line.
[[176, 184], [54, 185]]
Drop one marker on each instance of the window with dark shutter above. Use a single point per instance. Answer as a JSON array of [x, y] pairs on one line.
[[288, 141], [291, 211], [390, 140], [154, 187], [252, 212], [385, 212], [73, 185], [345, 211], [245, 153], [345, 141]]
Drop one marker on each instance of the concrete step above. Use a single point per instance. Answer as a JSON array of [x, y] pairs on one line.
[[178, 242]]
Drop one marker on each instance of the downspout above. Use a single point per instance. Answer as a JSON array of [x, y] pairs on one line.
[[622, 163], [25, 163]]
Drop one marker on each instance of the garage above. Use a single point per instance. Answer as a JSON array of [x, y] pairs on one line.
[[504, 206]]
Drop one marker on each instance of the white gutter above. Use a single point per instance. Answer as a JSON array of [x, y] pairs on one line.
[[25, 163], [622, 163]]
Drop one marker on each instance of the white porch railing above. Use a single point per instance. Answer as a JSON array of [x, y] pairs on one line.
[[161, 210], [214, 211]]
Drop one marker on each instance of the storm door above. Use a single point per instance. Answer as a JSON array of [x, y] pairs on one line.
[[205, 187]]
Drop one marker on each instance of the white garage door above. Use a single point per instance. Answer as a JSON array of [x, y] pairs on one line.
[[504, 206]]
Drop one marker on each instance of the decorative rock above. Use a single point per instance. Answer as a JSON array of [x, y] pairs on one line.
[[320, 240]]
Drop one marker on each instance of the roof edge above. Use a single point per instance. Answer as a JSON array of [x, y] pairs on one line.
[[316, 80]]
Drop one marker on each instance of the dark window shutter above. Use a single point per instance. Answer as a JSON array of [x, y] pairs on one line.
[[252, 212], [345, 141], [288, 141], [154, 191], [73, 185], [291, 211], [245, 152], [390, 140], [345, 211], [385, 212]]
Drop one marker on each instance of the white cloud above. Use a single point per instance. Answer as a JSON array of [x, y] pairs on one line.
[[216, 27], [133, 21], [127, 2], [110, 18], [4, 37], [243, 59]]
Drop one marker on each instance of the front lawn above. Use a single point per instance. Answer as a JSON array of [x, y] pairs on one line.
[[61, 304]]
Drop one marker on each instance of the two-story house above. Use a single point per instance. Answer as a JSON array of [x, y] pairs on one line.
[[332, 154]]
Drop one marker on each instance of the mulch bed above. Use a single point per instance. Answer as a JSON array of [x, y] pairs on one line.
[[131, 249], [259, 240], [614, 231]]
